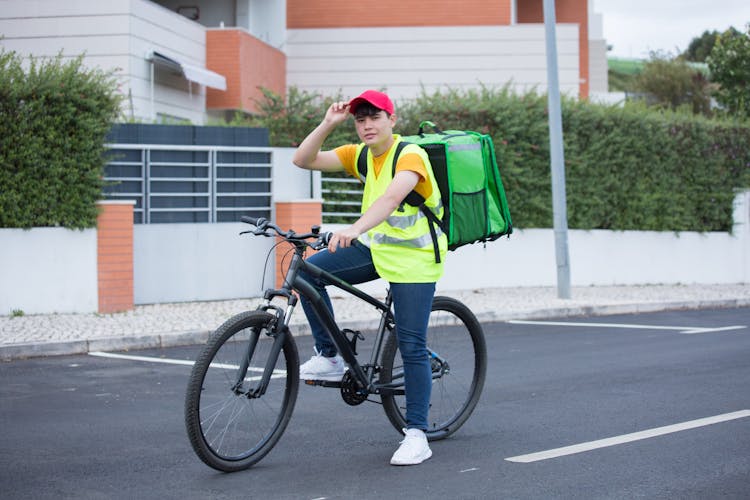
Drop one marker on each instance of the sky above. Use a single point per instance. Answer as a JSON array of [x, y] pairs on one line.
[[635, 27]]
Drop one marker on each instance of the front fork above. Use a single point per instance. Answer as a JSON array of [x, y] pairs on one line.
[[278, 329]]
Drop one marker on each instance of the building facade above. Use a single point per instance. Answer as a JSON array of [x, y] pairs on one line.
[[178, 61]]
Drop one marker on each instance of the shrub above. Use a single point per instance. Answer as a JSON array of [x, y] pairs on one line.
[[626, 168], [672, 83], [54, 117]]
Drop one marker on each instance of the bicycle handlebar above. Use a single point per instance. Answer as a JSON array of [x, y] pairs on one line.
[[263, 226]]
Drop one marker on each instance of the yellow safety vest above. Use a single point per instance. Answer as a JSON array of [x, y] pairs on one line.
[[402, 247]]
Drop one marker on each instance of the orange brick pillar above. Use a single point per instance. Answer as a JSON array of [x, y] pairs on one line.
[[115, 255], [297, 215]]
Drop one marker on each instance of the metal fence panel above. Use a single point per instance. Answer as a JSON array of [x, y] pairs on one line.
[[173, 184], [342, 199]]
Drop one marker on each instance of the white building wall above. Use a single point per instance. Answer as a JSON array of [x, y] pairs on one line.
[[115, 35], [406, 60], [598, 75]]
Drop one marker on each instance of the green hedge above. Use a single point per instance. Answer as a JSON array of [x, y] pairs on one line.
[[54, 117], [626, 167]]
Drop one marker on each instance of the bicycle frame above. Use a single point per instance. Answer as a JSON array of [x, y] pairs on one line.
[[231, 429], [293, 282]]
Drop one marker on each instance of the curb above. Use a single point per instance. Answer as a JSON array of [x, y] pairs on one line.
[[65, 348], [612, 309], [162, 340]]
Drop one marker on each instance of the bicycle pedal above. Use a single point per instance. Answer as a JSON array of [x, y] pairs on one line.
[[323, 383]]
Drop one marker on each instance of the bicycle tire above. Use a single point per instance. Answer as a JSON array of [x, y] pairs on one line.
[[228, 430], [455, 334]]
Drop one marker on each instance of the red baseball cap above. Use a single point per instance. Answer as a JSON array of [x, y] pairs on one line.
[[377, 99]]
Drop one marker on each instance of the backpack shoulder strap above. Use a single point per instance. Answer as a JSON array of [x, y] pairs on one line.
[[417, 200], [362, 162], [413, 198], [362, 158], [399, 147]]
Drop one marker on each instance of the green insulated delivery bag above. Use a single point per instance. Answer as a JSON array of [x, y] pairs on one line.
[[465, 167]]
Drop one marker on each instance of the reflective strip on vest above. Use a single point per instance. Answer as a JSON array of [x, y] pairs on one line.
[[406, 221], [364, 238], [421, 242]]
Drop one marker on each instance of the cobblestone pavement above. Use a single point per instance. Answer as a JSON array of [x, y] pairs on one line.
[[185, 323]]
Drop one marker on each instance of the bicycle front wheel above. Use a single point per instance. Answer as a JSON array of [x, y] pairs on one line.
[[230, 425], [458, 351]]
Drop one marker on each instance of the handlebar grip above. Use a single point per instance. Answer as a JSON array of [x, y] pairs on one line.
[[325, 238], [252, 220]]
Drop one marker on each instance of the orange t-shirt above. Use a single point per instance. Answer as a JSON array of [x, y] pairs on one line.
[[406, 161]]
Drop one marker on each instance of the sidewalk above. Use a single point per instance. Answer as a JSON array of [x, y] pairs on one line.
[[164, 325]]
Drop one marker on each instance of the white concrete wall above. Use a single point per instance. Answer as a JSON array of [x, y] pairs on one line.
[[193, 262], [602, 257], [289, 182], [114, 35], [405, 60], [47, 270], [741, 231], [599, 257]]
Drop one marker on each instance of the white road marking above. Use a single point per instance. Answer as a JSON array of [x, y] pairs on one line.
[[627, 438], [687, 330], [707, 330], [149, 359]]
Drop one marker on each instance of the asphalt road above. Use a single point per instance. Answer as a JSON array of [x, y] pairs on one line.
[[636, 406]]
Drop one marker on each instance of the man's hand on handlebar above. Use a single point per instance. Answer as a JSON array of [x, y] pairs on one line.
[[343, 238]]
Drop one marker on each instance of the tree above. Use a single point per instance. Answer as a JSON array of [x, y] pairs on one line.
[[700, 47], [729, 63], [672, 83]]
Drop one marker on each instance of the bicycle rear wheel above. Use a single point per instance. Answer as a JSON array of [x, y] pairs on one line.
[[456, 340], [229, 428]]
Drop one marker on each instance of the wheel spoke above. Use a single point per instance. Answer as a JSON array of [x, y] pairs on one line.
[[230, 430]]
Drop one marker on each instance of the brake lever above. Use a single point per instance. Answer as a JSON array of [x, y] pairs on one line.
[[322, 241]]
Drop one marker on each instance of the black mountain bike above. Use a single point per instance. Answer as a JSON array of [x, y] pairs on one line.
[[244, 384]]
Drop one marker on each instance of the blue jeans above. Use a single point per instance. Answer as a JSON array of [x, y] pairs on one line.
[[412, 303]]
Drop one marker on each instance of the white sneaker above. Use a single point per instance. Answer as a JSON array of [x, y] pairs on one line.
[[321, 368], [413, 450]]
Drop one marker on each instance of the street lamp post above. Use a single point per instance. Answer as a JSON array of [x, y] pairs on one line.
[[557, 158]]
